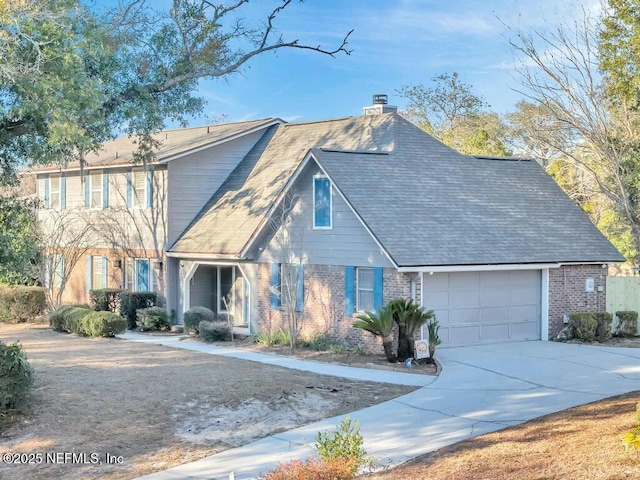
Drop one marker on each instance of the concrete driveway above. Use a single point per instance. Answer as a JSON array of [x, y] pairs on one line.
[[481, 389]]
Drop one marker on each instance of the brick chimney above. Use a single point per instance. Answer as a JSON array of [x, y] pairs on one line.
[[379, 106]]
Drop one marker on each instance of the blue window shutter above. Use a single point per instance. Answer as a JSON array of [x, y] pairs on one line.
[[149, 188], [47, 190], [105, 189], [349, 290], [129, 190], [87, 191], [63, 192], [299, 287], [88, 272], [275, 284], [104, 272], [377, 288]]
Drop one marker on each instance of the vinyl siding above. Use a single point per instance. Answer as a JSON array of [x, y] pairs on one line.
[[194, 179], [346, 243]]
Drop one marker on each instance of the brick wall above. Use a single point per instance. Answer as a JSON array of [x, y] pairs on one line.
[[567, 293], [76, 290], [325, 304]]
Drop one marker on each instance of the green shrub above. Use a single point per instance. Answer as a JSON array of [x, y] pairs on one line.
[[194, 316], [320, 342], [105, 299], [153, 319], [312, 469], [102, 324], [603, 330], [56, 318], [16, 377], [72, 320], [627, 323], [131, 302], [19, 304], [268, 338], [584, 326], [345, 442], [214, 331]]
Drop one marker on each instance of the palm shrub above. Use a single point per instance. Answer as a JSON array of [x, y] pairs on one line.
[[434, 339], [380, 324], [410, 317]]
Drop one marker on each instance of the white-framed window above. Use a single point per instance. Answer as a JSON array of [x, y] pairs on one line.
[[54, 192], [96, 272], [322, 203], [137, 275], [95, 190], [364, 289], [288, 283], [139, 183], [54, 271]]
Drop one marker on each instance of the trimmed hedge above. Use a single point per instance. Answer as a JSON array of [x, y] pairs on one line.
[[102, 324], [153, 318], [214, 331], [105, 299], [584, 326], [131, 302], [627, 323], [194, 316], [16, 377], [87, 322], [19, 304]]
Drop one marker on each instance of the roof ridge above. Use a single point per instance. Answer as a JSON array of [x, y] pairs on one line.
[[263, 120], [502, 159], [312, 122]]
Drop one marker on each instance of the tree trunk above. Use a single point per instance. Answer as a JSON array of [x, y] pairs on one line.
[[432, 351], [387, 344], [404, 344]]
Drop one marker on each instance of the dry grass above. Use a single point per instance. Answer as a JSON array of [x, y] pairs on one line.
[[158, 407], [580, 443]]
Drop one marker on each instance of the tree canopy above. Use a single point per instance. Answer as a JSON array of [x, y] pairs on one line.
[[72, 77]]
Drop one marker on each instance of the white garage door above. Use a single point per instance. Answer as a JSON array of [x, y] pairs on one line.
[[484, 307]]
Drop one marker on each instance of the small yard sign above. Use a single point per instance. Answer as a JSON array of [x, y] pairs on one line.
[[421, 348]]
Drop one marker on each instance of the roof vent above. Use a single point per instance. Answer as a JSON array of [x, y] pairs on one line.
[[380, 105], [380, 99]]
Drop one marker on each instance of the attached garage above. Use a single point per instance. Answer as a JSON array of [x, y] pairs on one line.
[[484, 307]]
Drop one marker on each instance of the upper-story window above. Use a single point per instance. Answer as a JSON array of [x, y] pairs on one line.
[[139, 188], [54, 191], [322, 202], [94, 194]]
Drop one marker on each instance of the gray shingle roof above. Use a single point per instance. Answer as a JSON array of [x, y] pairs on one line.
[[230, 218], [424, 202], [434, 206], [173, 142]]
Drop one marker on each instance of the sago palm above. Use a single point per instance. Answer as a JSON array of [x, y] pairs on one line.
[[410, 317], [380, 324]]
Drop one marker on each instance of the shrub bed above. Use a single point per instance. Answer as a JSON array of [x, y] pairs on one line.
[[131, 302], [627, 323], [214, 331], [105, 299], [584, 326], [194, 316], [153, 318], [16, 377], [19, 304], [87, 322]]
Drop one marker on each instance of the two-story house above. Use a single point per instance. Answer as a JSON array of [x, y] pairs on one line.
[[353, 211]]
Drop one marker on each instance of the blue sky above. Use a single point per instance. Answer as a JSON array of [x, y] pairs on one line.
[[395, 43]]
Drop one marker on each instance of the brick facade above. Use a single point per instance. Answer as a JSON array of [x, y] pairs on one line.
[[567, 293], [76, 286], [324, 306]]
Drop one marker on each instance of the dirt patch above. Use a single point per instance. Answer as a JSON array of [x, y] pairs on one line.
[[158, 407], [346, 357], [579, 443], [622, 342]]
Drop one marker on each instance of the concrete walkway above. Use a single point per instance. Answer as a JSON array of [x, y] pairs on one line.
[[481, 389]]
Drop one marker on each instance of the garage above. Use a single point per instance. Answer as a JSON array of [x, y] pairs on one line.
[[484, 307]]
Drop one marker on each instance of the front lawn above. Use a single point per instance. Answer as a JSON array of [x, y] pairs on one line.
[[580, 443], [157, 407]]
